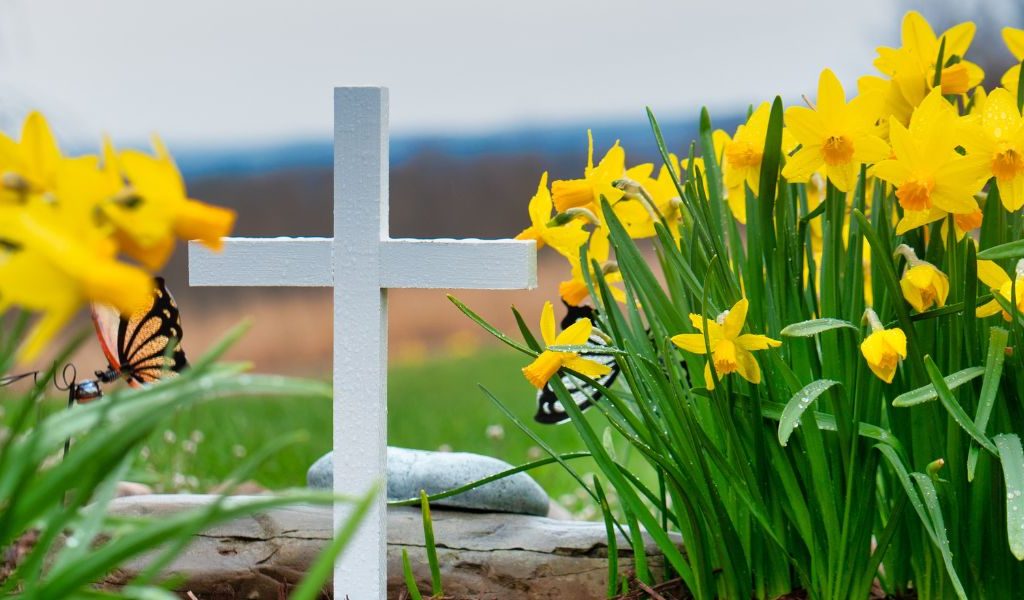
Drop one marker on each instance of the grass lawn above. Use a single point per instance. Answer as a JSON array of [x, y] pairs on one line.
[[433, 404]]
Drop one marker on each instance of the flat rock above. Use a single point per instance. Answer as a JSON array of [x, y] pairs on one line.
[[409, 471], [485, 556]]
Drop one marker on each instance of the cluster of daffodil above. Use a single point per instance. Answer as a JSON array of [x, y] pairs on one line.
[[67, 223], [933, 136], [858, 264]]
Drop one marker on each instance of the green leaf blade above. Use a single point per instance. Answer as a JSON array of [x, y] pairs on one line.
[[799, 403], [813, 327], [928, 393], [1011, 455]]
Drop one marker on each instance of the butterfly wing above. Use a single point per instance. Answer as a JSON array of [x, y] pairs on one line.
[[549, 408], [145, 346], [149, 341], [106, 320]]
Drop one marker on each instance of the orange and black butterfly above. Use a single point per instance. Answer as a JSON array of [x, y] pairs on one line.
[[145, 346]]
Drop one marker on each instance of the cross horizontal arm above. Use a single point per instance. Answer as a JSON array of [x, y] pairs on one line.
[[255, 262], [405, 263], [459, 264]]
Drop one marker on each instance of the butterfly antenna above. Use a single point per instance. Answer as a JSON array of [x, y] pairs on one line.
[[9, 379]]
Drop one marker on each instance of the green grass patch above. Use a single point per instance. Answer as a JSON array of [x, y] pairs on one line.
[[434, 404]]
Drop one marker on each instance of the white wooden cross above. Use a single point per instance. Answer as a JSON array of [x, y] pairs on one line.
[[361, 262]]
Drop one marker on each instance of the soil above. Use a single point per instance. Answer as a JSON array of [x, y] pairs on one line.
[[13, 555]]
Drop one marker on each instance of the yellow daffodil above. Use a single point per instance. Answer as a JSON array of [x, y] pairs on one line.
[[565, 239], [648, 201], [47, 268], [923, 284], [930, 177], [666, 196], [156, 208], [997, 134], [741, 157], [912, 66], [574, 291], [992, 275], [597, 180], [835, 135], [30, 165], [1014, 39], [736, 197], [883, 348], [549, 362], [882, 99], [731, 350]]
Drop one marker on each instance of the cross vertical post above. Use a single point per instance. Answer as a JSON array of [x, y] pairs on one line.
[[360, 329], [361, 262]]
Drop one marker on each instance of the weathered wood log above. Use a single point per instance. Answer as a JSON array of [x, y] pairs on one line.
[[487, 556]]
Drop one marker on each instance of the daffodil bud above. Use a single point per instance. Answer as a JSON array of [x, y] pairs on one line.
[[933, 467], [676, 203], [609, 267], [884, 348], [923, 284]]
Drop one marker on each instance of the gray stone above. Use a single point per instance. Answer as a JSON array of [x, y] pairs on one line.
[[409, 471], [485, 556]]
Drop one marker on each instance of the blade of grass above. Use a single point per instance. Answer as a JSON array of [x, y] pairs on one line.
[[928, 392], [1011, 455], [490, 328], [989, 388], [1010, 250], [801, 401], [428, 537], [410, 579], [613, 544], [953, 407], [813, 327]]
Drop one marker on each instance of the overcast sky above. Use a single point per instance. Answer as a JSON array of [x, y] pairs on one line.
[[209, 71]]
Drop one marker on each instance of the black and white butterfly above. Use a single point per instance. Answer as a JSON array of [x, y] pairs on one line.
[[549, 408]]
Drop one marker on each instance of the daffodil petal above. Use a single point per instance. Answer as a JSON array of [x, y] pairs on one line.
[[691, 342], [575, 334], [747, 367], [992, 274], [735, 319], [588, 367], [752, 341]]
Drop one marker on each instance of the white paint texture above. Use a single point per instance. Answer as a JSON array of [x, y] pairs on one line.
[[361, 262], [405, 263]]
